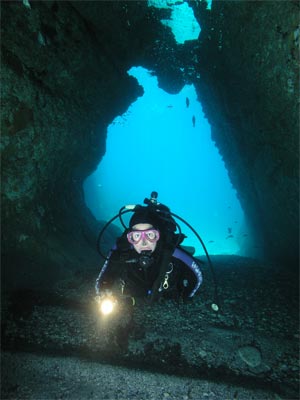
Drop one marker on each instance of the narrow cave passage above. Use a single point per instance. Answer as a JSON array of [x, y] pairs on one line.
[[163, 143]]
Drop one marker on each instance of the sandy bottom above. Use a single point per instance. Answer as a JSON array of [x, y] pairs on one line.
[[37, 377]]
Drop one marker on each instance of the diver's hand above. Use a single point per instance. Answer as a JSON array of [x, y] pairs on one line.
[[101, 295]]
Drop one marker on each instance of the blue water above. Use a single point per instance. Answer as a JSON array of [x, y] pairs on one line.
[[154, 146]]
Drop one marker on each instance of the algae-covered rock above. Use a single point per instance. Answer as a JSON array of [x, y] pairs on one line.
[[251, 355]]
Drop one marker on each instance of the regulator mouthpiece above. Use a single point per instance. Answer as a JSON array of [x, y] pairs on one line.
[[145, 259]]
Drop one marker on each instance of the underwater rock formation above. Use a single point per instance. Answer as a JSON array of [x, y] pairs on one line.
[[249, 89], [64, 80]]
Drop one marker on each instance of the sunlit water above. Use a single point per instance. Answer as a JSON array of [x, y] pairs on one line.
[[155, 146], [182, 22]]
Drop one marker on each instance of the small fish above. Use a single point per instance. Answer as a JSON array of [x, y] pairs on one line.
[[211, 241], [229, 230], [194, 121], [245, 234], [170, 106], [187, 102], [229, 236]]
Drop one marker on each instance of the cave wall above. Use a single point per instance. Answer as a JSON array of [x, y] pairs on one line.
[[249, 89], [64, 80], [60, 90]]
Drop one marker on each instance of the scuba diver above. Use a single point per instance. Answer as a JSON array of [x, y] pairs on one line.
[[148, 260]]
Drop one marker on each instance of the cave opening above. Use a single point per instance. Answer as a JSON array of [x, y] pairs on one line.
[[163, 143], [181, 21], [58, 97]]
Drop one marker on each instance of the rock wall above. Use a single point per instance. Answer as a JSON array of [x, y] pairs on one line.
[[64, 80], [249, 89], [60, 90]]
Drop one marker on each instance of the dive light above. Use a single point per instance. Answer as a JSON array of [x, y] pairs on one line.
[[107, 304]]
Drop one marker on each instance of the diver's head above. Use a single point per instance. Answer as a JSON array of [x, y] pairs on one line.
[[144, 233], [143, 237]]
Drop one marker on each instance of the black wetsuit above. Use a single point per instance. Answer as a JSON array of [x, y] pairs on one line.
[[127, 272]]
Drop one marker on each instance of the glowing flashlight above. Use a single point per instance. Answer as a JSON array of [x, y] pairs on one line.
[[107, 305]]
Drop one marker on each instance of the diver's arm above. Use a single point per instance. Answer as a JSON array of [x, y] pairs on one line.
[[107, 276], [193, 268]]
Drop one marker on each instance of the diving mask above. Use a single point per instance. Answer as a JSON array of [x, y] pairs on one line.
[[135, 237]]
